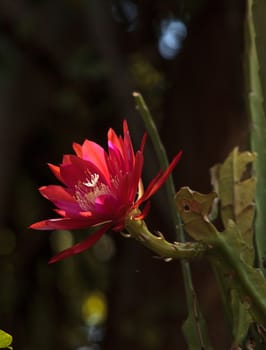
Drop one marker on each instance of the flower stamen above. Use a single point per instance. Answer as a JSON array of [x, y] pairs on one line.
[[93, 180], [87, 192]]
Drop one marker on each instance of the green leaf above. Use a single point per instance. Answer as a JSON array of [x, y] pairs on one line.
[[225, 252], [194, 209], [236, 190], [247, 281], [5, 340]]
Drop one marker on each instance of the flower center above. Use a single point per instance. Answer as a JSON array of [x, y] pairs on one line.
[[87, 191]]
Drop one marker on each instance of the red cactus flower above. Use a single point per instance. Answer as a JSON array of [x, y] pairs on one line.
[[100, 188]]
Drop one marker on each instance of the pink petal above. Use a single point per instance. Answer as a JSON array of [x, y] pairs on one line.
[[127, 148], [94, 153], [106, 206], [158, 181], [136, 175], [65, 224], [77, 148], [144, 212], [61, 212], [58, 193], [67, 159], [143, 142], [80, 215], [122, 192], [56, 171], [80, 247], [61, 199], [125, 127], [78, 171], [115, 161], [113, 139], [150, 187]]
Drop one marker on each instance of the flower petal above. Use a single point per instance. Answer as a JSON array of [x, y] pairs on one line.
[[128, 151], [80, 247], [61, 198], [144, 212], [107, 206], [158, 181], [143, 141], [78, 149], [65, 223], [78, 171], [56, 171], [136, 176], [114, 140], [114, 160], [95, 154], [67, 159], [81, 214], [58, 193]]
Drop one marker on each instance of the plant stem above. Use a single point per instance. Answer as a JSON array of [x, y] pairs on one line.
[[163, 161], [249, 282], [164, 249], [258, 127]]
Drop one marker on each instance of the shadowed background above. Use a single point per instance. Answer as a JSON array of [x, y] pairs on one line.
[[67, 72]]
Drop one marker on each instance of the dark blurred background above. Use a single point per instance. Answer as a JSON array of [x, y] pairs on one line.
[[67, 72]]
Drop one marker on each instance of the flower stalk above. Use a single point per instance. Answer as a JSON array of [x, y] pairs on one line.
[[159, 245]]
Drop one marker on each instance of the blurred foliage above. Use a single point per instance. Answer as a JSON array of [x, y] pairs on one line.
[[68, 69], [5, 340]]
